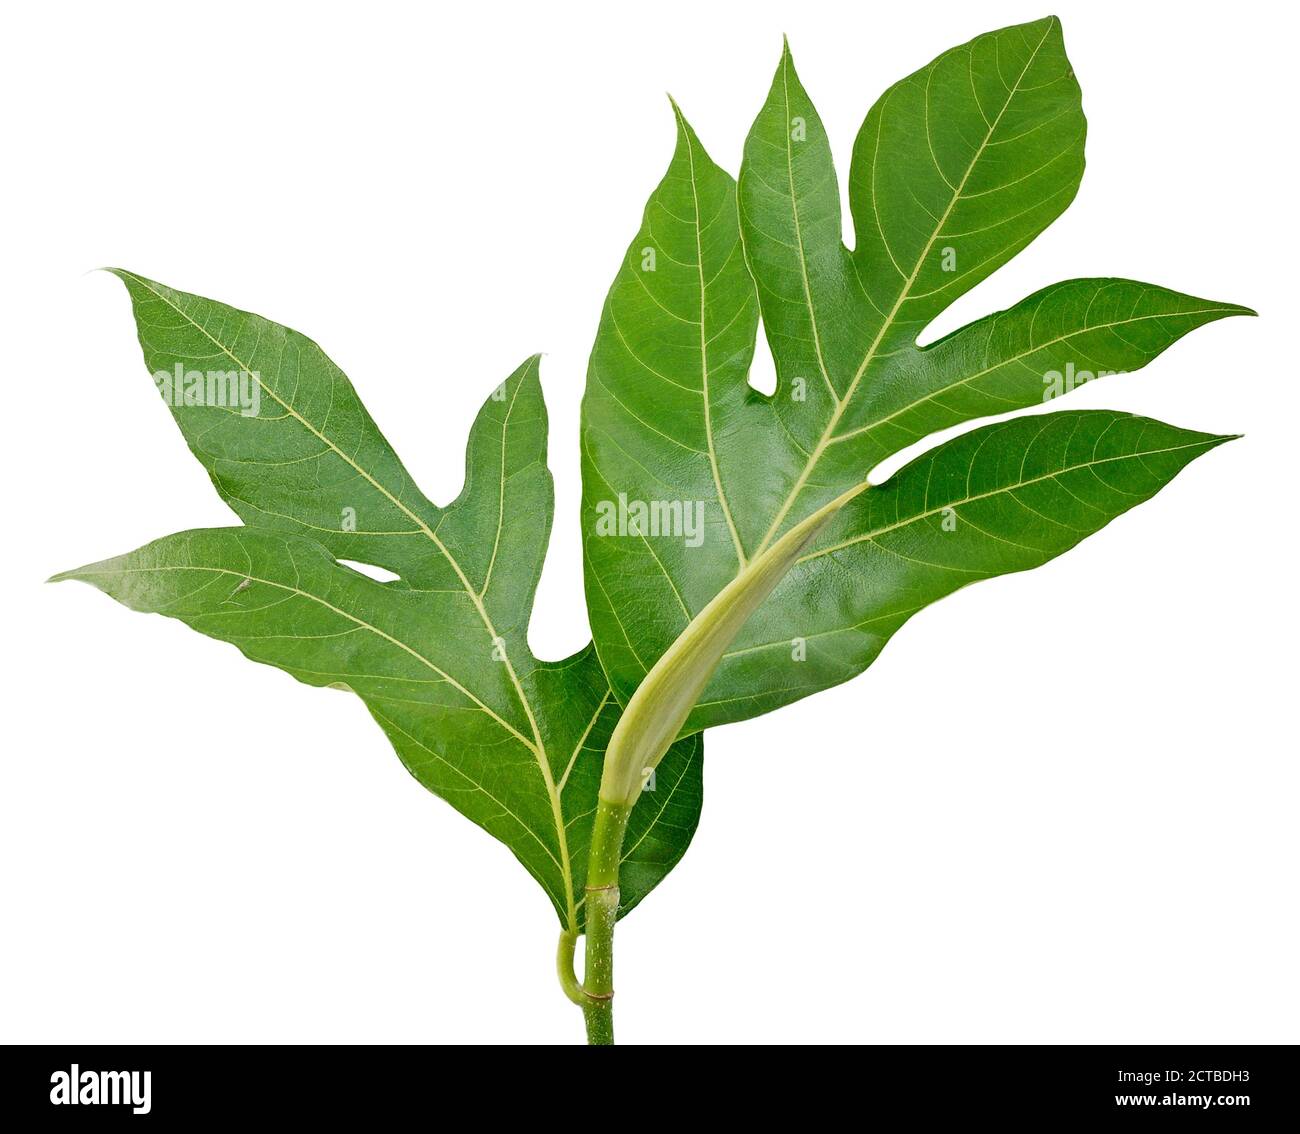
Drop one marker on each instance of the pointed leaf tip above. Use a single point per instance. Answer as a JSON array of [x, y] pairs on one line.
[[321, 489], [685, 132], [838, 320]]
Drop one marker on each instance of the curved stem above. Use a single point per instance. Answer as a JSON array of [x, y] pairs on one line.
[[564, 967], [652, 720]]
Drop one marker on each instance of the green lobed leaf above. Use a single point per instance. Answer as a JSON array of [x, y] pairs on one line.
[[1001, 498], [439, 656], [956, 169]]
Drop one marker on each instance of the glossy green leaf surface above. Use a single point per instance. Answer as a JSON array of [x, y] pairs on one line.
[[691, 475], [440, 655]]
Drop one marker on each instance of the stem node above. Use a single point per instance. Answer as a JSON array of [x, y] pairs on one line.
[[601, 913]]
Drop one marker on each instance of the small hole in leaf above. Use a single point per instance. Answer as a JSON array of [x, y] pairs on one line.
[[762, 371], [379, 574]]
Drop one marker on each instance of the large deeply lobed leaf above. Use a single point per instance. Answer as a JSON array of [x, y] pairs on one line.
[[956, 169], [694, 483], [440, 656]]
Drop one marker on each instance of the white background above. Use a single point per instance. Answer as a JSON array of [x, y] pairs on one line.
[[1062, 806]]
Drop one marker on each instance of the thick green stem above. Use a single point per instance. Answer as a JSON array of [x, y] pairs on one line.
[[652, 720], [602, 913]]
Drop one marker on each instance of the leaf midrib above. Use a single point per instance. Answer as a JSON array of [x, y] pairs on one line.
[[1011, 359], [1091, 463], [888, 322], [383, 717], [536, 746], [798, 230], [704, 350], [501, 485], [361, 623]]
